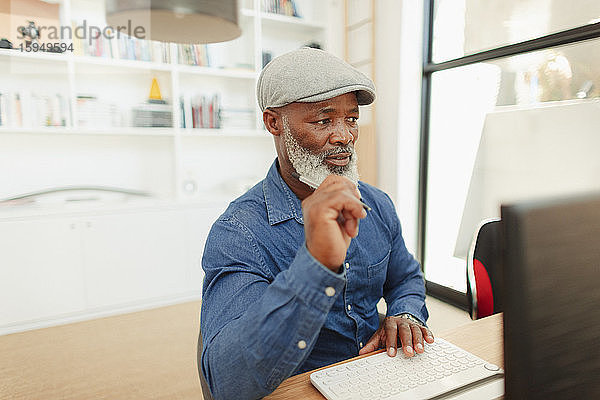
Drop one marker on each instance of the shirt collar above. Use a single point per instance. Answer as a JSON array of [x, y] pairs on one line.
[[282, 203]]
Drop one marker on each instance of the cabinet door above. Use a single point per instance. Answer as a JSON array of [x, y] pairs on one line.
[[198, 222], [40, 269], [133, 257]]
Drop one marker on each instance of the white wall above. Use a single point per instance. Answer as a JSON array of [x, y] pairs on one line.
[[336, 28], [398, 54]]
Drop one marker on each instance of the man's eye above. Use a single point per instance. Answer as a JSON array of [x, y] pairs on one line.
[[323, 121], [353, 119]]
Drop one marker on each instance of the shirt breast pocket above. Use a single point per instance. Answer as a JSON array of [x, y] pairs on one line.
[[377, 273]]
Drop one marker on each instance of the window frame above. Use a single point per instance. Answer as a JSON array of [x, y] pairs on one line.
[[561, 38]]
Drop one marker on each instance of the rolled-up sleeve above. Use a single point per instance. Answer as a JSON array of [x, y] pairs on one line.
[[258, 328]]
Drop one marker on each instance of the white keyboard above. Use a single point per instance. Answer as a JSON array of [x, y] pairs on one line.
[[442, 368]]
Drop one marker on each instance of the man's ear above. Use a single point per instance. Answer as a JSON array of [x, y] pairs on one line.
[[273, 122]]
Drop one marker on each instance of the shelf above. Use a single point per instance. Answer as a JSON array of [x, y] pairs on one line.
[[247, 12], [129, 131], [125, 131], [218, 72], [43, 130], [282, 21], [132, 64], [89, 60], [285, 21], [226, 132], [118, 63], [40, 55]]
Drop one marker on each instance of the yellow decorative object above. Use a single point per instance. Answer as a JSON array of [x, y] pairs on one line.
[[155, 90]]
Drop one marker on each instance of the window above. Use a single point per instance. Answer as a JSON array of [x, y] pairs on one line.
[[510, 94]]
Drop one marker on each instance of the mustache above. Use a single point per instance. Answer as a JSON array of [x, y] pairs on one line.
[[338, 150]]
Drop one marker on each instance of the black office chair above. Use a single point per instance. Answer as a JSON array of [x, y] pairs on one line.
[[205, 390], [484, 270]]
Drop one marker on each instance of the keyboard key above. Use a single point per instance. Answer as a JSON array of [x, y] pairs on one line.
[[374, 360], [338, 390]]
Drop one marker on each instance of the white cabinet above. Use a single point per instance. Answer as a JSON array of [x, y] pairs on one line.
[[41, 271], [63, 268], [134, 256]]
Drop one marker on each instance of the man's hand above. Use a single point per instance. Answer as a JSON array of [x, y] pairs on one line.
[[397, 329], [331, 216]]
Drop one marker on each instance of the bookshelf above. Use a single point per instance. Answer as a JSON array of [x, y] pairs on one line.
[[118, 85]]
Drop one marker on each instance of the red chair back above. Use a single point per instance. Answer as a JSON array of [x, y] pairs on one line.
[[484, 274]]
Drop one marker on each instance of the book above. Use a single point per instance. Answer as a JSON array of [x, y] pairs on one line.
[[200, 111], [32, 110], [117, 45], [282, 7], [194, 54], [95, 113]]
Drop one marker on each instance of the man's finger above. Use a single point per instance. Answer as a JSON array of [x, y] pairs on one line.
[[391, 329], [427, 334], [372, 344], [354, 206], [335, 183], [405, 335], [350, 224], [417, 338], [344, 201]]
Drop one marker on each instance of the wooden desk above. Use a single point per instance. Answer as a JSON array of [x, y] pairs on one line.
[[482, 338], [150, 355]]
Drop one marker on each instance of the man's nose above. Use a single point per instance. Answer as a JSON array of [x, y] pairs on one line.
[[342, 134]]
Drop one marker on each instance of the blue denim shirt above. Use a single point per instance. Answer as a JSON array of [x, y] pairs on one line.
[[271, 310]]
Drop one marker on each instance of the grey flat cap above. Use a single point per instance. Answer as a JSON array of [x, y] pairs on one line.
[[309, 75]]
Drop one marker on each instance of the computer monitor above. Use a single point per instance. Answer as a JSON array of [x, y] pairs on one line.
[[552, 298]]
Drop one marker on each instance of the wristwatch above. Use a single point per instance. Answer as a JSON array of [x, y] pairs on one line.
[[410, 318]]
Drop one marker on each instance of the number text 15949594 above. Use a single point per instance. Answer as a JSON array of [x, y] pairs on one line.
[[49, 47]]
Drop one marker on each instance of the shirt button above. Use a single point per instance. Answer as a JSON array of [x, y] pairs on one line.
[[301, 344], [360, 344], [349, 307], [329, 291], [347, 266]]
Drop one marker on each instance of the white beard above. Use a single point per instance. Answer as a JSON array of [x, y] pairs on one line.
[[313, 166]]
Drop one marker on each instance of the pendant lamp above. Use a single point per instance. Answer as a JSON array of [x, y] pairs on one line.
[[178, 21]]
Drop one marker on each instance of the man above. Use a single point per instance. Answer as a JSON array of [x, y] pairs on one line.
[[291, 281]]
